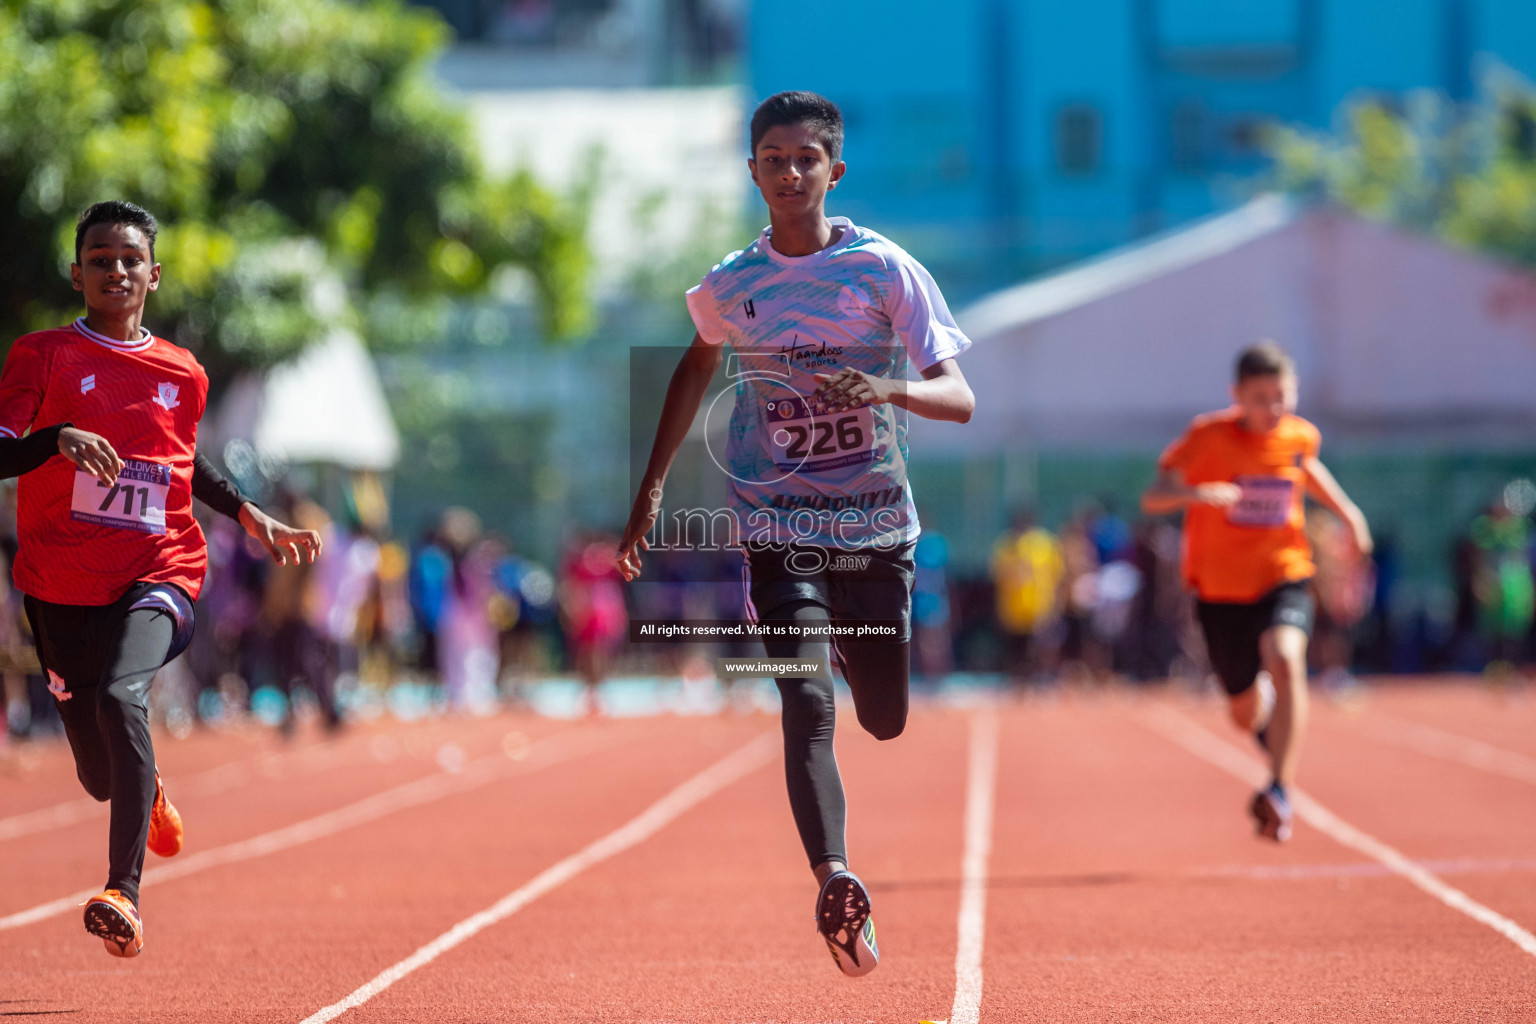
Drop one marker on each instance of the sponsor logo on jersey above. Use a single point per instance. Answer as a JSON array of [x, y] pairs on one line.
[[87, 383], [750, 309], [817, 355], [167, 396], [56, 686]]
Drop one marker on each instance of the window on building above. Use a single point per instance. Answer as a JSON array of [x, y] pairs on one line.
[[935, 134], [1245, 136], [1520, 130], [1079, 139], [1186, 137], [534, 23]]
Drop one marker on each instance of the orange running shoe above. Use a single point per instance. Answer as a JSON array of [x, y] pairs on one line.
[[164, 824], [114, 917]]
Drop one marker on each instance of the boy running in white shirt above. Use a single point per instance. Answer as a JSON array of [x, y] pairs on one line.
[[823, 317]]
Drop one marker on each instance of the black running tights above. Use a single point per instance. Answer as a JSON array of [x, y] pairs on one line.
[[100, 662], [877, 675]]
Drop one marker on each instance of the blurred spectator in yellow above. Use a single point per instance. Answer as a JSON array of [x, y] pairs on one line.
[[1028, 573]]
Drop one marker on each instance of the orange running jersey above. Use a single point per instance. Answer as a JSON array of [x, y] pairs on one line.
[[1241, 553]]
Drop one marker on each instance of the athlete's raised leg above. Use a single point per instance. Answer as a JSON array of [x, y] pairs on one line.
[[73, 668], [809, 718], [1284, 652], [877, 674]]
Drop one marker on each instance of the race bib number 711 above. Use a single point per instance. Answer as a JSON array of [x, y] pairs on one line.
[[135, 502]]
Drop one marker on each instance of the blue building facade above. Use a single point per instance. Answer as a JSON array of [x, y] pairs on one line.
[[998, 137]]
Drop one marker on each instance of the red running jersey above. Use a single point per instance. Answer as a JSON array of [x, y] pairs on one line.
[[83, 542]]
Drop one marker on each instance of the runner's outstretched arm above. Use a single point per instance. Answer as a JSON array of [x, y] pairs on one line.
[[942, 394], [1322, 486], [684, 396], [283, 542], [1169, 493]]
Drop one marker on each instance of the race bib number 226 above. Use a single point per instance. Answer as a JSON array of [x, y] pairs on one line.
[[810, 439], [135, 502]]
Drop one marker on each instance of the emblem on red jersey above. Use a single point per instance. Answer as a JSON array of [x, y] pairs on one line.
[[56, 686], [167, 396], [87, 383]]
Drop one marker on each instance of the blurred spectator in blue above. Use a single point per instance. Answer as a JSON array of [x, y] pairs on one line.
[[525, 608], [931, 634], [1110, 534], [431, 569]]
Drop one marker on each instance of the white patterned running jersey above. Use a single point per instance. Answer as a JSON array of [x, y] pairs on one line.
[[798, 471]]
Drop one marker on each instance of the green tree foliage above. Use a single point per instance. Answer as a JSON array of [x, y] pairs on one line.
[[1466, 174], [304, 167]]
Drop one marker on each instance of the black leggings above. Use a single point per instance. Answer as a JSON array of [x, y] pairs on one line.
[[100, 661], [877, 675]]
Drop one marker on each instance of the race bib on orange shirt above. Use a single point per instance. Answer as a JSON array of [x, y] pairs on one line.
[[136, 502], [1265, 504]]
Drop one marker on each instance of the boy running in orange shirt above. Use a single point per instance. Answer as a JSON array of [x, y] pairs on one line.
[[1240, 476]]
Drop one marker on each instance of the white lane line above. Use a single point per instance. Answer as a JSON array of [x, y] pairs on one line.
[[548, 751], [1200, 742], [72, 812], [980, 797], [1447, 746], [1363, 869], [646, 824]]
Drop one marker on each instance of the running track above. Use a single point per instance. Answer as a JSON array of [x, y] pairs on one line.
[[1077, 858]]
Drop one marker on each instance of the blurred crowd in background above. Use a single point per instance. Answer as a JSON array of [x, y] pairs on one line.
[[457, 620]]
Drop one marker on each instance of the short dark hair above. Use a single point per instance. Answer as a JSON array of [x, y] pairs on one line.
[[117, 211], [1266, 359], [816, 112]]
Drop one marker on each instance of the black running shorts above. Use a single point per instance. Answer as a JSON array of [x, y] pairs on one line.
[[1232, 631], [856, 586]]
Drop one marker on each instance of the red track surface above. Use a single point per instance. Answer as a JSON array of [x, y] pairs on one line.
[[1124, 883]]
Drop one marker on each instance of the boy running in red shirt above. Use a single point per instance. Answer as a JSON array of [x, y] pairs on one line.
[[110, 558], [1240, 476]]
